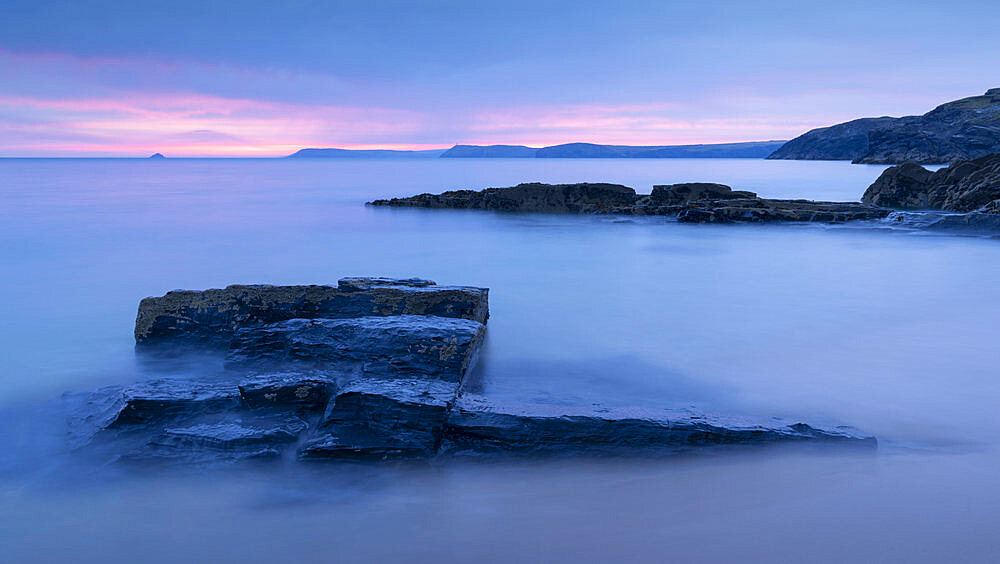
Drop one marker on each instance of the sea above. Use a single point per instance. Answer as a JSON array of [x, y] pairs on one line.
[[873, 324]]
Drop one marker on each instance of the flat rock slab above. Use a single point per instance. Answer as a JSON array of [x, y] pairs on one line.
[[288, 390], [382, 419], [760, 210], [214, 316], [231, 437], [143, 403], [477, 426], [402, 346]]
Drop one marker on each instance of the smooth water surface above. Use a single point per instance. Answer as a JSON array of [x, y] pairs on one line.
[[885, 329]]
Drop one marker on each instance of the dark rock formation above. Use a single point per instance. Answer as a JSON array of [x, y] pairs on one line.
[[381, 419], [765, 210], [288, 390], [964, 186], [370, 387], [479, 426], [398, 346], [968, 223], [157, 156], [676, 194], [531, 197], [161, 399], [963, 129], [214, 316], [695, 202], [232, 438]]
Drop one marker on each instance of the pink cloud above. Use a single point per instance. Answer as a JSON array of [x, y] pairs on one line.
[[140, 124]]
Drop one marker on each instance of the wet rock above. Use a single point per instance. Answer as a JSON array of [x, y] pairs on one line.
[[478, 426], [970, 223], [288, 390], [529, 197], [383, 419], [696, 202], [156, 400], [965, 186], [766, 210], [675, 194], [213, 316], [401, 346], [233, 437]]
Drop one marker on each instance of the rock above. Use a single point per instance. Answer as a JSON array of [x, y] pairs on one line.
[[230, 438], [964, 129], [478, 426], [156, 400], [399, 346], [676, 194], [766, 210], [156, 156], [971, 223], [379, 387], [214, 316], [531, 197], [288, 390], [695, 202], [964, 186], [375, 418]]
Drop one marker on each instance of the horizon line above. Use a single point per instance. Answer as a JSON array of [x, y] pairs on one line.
[[414, 148]]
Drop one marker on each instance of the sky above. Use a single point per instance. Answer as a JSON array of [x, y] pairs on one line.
[[253, 78]]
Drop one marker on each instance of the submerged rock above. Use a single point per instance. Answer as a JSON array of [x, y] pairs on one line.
[[214, 316], [478, 426], [695, 202], [400, 346]]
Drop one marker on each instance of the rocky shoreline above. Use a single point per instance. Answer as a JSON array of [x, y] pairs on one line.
[[370, 369], [690, 202], [970, 190]]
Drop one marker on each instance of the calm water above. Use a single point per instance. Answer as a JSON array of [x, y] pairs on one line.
[[889, 330]]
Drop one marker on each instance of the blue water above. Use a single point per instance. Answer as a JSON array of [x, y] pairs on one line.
[[889, 330]]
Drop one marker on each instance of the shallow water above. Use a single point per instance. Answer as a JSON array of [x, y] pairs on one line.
[[886, 329]]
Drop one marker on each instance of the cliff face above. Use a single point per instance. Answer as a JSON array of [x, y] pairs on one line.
[[964, 129]]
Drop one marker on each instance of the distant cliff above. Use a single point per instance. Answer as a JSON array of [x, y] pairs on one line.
[[364, 153], [964, 129], [489, 151], [747, 150]]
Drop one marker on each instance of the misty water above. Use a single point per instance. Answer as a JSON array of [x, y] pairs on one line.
[[890, 330]]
